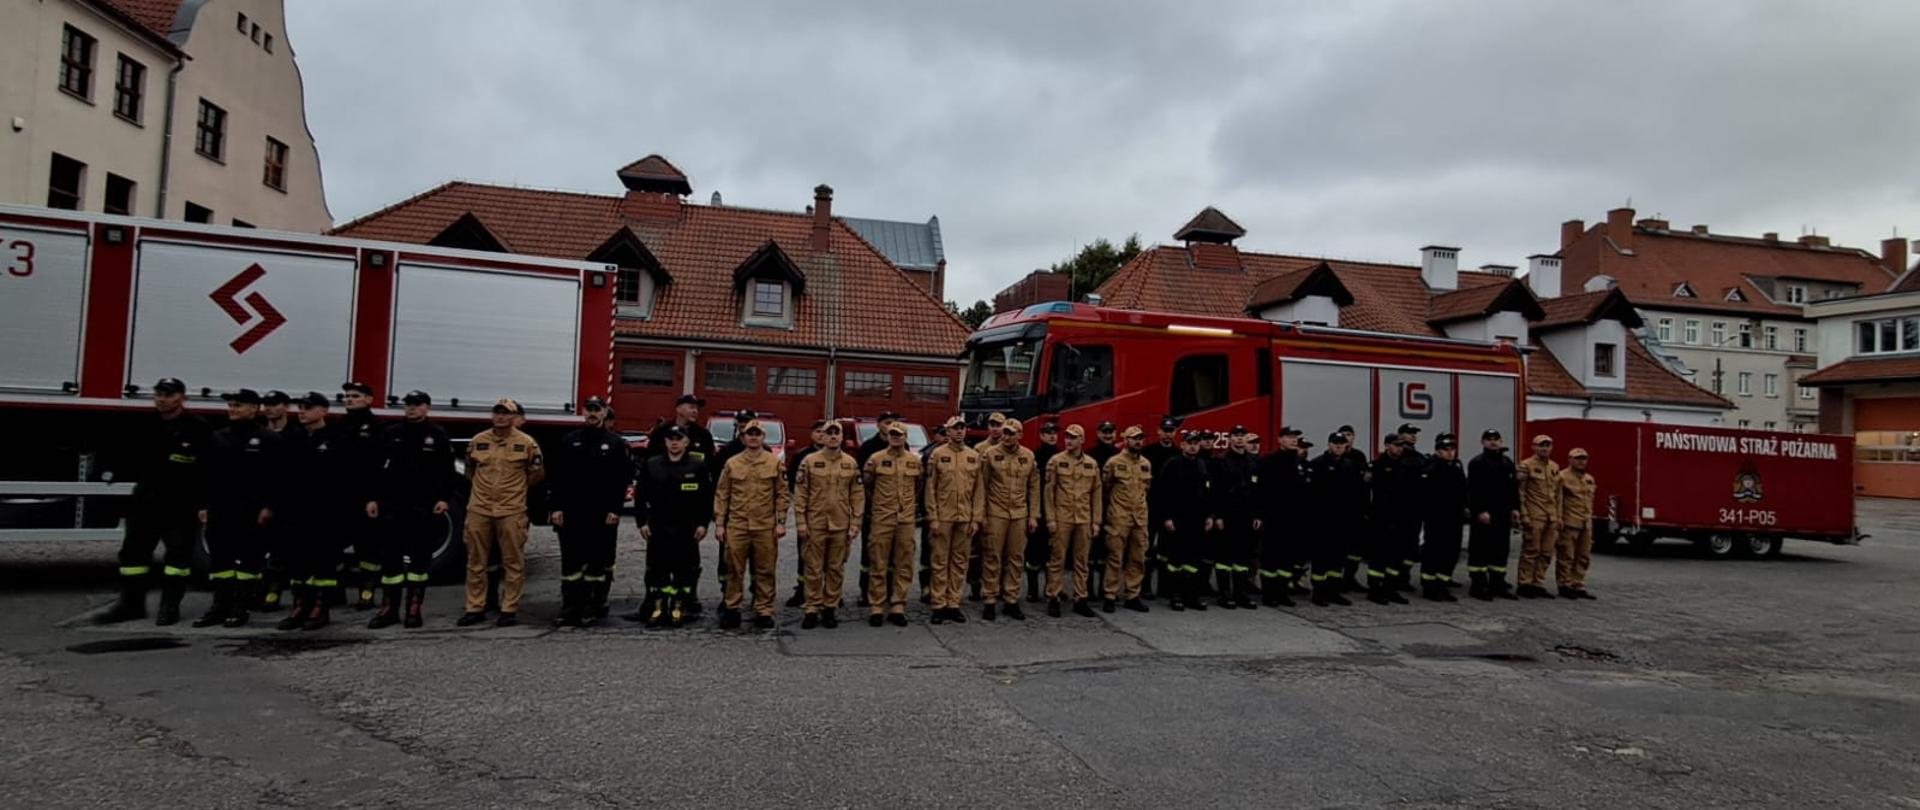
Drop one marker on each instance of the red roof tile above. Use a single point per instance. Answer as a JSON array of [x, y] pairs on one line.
[[1484, 300], [1210, 226], [1586, 308], [1711, 265], [654, 173], [154, 18], [700, 247], [1316, 280], [1877, 369]]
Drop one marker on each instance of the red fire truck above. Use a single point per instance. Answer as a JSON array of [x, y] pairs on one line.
[[1083, 364], [1732, 492], [94, 308]]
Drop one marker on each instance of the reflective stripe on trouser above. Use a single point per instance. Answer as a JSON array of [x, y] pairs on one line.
[[1573, 555], [823, 557], [890, 555], [1003, 555], [1536, 551], [952, 547], [1069, 546], [1126, 561], [150, 525], [1383, 553], [482, 535], [586, 552], [750, 548], [1441, 551], [1487, 543], [673, 558]]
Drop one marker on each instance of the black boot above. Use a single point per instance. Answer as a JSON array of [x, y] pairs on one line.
[[1436, 591], [1146, 580], [689, 598], [416, 606], [676, 610], [1033, 587], [1479, 589], [570, 606], [1224, 582], [1243, 590], [172, 590], [1202, 582], [131, 605], [1080, 608], [1497, 583], [829, 619], [1053, 606], [1378, 588], [1194, 590], [1171, 586], [1320, 591], [222, 604], [597, 593], [1275, 592], [244, 595], [989, 613], [297, 616], [389, 613], [645, 612], [319, 613], [799, 597]]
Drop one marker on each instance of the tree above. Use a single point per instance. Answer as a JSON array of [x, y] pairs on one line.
[[1097, 262], [972, 316]]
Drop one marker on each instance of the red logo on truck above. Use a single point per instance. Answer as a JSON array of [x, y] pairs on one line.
[[227, 296], [1415, 402]]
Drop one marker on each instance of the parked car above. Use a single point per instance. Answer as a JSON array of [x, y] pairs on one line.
[[858, 430], [721, 426]]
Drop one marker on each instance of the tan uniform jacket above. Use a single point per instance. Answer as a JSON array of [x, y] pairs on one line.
[[1576, 497], [502, 471], [956, 485], [1128, 476], [1013, 483], [751, 495], [1539, 491], [827, 492], [893, 478], [1073, 489]]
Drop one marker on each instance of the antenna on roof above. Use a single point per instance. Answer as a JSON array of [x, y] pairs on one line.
[[1629, 201], [716, 198]]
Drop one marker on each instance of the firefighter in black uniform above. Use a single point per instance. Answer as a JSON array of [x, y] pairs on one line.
[[588, 489], [1494, 495], [416, 490], [276, 412], [1183, 497], [309, 516], [1236, 480], [357, 437], [819, 439], [1356, 552], [1282, 497], [1409, 538], [1396, 494], [700, 448], [165, 464], [1040, 542], [1444, 513], [1337, 483], [243, 466], [866, 451], [672, 502], [1157, 454]]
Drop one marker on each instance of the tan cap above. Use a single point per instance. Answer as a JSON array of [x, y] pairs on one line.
[[1543, 439], [955, 422], [752, 426], [509, 406], [897, 428], [1132, 431], [1012, 426], [1076, 431], [1578, 452], [1253, 437], [996, 418]]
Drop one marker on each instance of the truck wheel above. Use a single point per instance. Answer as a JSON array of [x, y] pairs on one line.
[[1756, 546], [1720, 545], [450, 556]]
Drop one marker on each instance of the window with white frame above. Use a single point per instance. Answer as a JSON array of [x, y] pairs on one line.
[[1799, 339], [1719, 333], [1745, 388], [1887, 445], [769, 299], [1769, 425], [1746, 335], [1888, 335], [1796, 293], [731, 377], [1770, 337], [1745, 424], [793, 382], [1770, 385], [1806, 392], [1665, 330], [1693, 331]]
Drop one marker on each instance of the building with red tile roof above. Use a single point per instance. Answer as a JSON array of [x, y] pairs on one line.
[[1585, 358], [788, 311], [1868, 381], [1726, 310]]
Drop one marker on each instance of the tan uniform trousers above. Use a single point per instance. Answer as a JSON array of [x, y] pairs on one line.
[[756, 548], [890, 555], [952, 549], [1537, 542], [1075, 539], [481, 533], [823, 557], [1573, 555], [1126, 561], [1003, 555]]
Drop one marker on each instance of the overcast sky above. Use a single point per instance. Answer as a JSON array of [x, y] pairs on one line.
[[1031, 128]]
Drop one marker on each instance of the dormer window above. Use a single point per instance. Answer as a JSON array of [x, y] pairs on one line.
[[1734, 295], [1681, 290], [1796, 293], [769, 284], [638, 277], [769, 299], [1603, 359]]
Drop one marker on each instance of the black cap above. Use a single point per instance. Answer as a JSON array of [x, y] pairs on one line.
[[1393, 440], [819, 423], [1305, 443], [1169, 423], [596, 404], [886, 415], [1289, 430], [689, 399], [1337, 437], [313, 399], [361, 387], [1050, 427], [244, 396], [1107, 427], [1489, 433], [1408, 428], [673, 432], [1444, 440], [169, 385], [1238, 430], [275, 397], [743, 417], [1193, 436], [417, 397], [1345, 429]]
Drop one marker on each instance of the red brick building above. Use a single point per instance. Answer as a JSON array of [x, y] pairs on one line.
[[784, 311], [1037, 287]]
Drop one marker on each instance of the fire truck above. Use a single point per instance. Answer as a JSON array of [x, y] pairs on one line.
[[1733, 493], [1083, 364], [95, 308]]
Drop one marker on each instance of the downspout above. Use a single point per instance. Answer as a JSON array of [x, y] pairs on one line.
[[166, 139], [833, 374], [1588, 409]]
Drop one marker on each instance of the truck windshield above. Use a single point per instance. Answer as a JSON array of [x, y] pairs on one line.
[[1002, 367]]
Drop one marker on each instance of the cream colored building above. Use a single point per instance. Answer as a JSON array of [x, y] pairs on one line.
[[179, 109]]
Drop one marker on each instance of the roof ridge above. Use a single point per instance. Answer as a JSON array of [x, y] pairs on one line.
[[900, 274], [367, 217]]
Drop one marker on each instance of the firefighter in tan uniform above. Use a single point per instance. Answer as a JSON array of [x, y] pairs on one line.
[[1574, 553], [828, 501], [956, 506], [1127, 477], [503, 464], [1073, 514], [1539, 516], [749, 518], [893, 485], [1013, 510]]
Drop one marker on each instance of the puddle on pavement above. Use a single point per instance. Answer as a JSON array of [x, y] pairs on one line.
[[126, 645]]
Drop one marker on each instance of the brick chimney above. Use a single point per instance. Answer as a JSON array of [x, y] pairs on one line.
[[822, 218], [1570, 232], [1620, 227], [1700, 230], [1770, 236], [1440, 267], [1815, 240], [1653, 224], [1893, 253]]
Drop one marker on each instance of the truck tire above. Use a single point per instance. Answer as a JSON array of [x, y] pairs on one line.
[[1755, 546], [1720, 545], [450, 556]]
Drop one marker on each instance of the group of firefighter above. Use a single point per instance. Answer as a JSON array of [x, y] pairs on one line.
[[297, 508]]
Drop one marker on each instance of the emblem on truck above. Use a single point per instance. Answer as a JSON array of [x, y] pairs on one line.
[[1415, 402], [1746, 484], [227, 296]]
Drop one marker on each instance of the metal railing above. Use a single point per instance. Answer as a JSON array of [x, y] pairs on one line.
[[79, 491]]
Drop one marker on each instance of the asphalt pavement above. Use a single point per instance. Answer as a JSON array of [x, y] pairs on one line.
[[1690, 683]]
